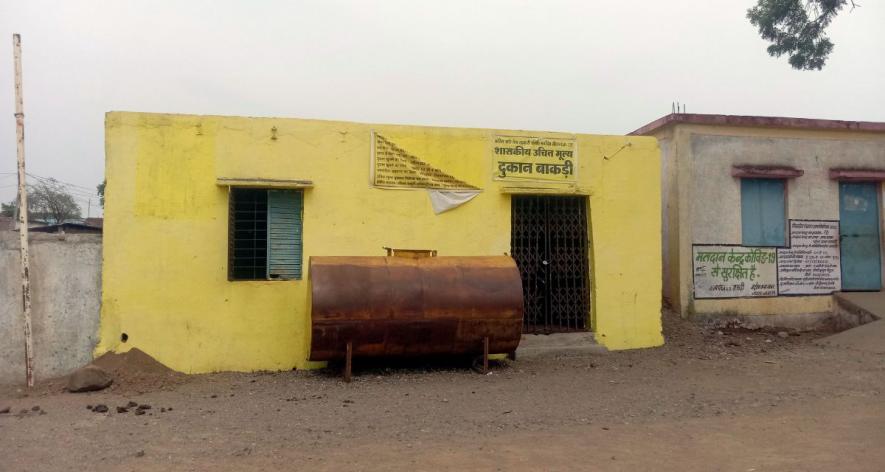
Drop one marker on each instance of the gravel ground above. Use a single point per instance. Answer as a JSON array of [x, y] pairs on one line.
[[710, 399]]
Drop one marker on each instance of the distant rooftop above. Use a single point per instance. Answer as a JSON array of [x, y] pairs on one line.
[[760, 122], [95, 222], [66, 228], [8, 223]]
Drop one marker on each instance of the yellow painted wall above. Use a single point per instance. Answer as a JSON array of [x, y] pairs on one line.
[[166, 221]]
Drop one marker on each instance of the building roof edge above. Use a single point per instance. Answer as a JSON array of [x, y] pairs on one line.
[[758, 122]]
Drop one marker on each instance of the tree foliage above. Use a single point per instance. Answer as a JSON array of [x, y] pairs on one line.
[[797, 28], [7, 209], [100, 191], [48, 201]]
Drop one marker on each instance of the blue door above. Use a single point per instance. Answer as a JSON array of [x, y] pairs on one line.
[[859, 235]]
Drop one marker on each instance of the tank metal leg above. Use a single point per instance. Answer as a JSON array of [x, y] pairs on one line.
[[511, 355], [485, 355], [348, 362]]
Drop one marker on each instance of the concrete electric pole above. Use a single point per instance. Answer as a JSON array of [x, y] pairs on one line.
[[23, 208]]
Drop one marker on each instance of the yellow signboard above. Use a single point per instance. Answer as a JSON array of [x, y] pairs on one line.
[[534, 158], [395, 167]]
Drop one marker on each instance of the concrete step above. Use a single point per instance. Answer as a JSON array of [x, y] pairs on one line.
[[557, 344], [852, 309], [861, 315], [867, 338]]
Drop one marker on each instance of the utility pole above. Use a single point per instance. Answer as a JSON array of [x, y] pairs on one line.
[[23, 208]]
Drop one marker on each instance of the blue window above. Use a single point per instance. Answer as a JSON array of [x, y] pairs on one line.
[[763, 214], [265, 234]]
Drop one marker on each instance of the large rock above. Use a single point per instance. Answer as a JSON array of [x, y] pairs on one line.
[[88, 379]]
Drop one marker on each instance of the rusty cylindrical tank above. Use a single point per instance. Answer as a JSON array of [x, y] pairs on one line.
[[392, 306]]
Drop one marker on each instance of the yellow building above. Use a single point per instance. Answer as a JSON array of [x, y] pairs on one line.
[[210, 223]]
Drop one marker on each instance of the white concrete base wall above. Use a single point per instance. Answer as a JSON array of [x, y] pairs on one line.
[[710, 202], [65, 303], [716, 204]]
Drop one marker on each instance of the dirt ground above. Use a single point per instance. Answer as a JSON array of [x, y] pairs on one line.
[[709, 400]]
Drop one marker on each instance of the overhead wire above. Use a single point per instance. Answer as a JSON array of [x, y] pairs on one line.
[[56, 181], [84, 195], [72, 188]]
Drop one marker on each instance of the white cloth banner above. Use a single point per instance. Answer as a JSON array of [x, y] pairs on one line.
[[445, 200]]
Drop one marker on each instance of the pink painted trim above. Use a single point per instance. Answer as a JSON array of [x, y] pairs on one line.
[[858, 175], [760, 122], [766, 172]]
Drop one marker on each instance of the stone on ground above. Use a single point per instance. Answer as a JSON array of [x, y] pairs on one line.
[[88, 379]]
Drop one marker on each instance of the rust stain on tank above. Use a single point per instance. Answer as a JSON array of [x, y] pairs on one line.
[[391, 306]]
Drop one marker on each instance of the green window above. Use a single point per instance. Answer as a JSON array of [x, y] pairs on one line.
[[265, 232], [763, 212]]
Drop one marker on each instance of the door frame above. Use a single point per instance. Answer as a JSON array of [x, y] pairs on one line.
[[589, 308], [880, 223], [880, 196]]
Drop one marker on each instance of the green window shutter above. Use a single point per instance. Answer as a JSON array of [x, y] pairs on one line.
[[284, 230], [763, 212]]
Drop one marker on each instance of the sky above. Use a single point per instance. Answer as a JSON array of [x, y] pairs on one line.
[[605, 67]]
